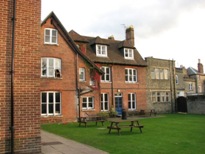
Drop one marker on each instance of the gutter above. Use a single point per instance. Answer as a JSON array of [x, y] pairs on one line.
[[12, 77]]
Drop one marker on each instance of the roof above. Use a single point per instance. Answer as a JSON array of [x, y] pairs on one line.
[[114, 50], [69, 40], [192, 71]]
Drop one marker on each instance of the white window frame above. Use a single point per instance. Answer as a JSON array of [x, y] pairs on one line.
[[177, 79], [50, 38], [107, 74], [88, 103], [104, 102], [132, 101], [128, 53], [160, 96], [81, 74], [130, 75], [52, 68], [160, 74], [190, 86], [101, 50], [154, 96], [54, 103]]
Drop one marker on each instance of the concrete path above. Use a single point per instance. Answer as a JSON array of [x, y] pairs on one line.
[[53, 144]]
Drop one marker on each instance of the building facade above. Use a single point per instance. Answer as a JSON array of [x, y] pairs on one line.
[[19, 105], [66, 75], [161, 90], [123, 84]]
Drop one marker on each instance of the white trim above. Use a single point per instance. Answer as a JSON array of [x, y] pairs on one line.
[[47, 103], [128, 53], [50, 38], [101, 50]]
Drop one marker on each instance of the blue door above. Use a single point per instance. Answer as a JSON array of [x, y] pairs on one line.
[[118, 104]]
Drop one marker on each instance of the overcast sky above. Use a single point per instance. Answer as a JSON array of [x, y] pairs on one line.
[[165, 29]]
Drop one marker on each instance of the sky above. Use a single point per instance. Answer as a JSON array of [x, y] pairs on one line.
[[164, 29]]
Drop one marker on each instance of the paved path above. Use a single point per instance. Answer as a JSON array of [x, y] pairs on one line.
[[53, 144]]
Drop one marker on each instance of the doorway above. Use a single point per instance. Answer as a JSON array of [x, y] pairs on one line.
[[118, 104], [181, 104]]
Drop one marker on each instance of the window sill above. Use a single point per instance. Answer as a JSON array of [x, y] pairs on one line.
[[132, 82], [42, 77], [47, 116], [51, 44], [88, 110]]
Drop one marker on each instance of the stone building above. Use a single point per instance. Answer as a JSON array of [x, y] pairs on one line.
[[160, 81]]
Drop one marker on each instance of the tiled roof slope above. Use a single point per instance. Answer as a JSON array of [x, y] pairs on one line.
[[115, 54]]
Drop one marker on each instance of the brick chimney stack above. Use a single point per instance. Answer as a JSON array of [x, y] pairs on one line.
[[130, 35], [200, 67]]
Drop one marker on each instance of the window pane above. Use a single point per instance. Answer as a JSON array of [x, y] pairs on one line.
[[50, 108], [43, 109], [57, 97], [84, 105], [50, 98], [43, 97], [57, 108], [54, 36], [43, 66]]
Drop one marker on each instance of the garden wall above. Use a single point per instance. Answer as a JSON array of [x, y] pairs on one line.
[[196, 104]]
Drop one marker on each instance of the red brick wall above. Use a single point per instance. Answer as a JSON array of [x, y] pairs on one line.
[[118, 78], [26, 76], [66, 85]]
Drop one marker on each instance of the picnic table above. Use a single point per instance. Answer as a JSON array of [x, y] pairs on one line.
[[118, 124]]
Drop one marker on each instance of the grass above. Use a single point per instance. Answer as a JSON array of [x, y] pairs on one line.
[[168, 134]]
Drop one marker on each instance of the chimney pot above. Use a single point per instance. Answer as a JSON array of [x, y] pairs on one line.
[[130, 35]]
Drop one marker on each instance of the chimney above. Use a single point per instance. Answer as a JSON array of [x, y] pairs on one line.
[[111, 37], [130, 35], [200, 67]]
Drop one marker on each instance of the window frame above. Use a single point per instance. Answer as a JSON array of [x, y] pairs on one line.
[[177, 79], [88, 103], [49, 68], [100, 49], [104, 102], [160, 96], [50, 36], [106, 77], [82, 70], [132, 102], [190, 86], [128, 53], [54, 103], [130, 75]]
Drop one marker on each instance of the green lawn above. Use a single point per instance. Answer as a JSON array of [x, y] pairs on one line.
[[167, 134]]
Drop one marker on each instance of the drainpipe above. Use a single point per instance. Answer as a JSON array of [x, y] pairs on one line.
[[76, 81], [12, 77], [112, 90]]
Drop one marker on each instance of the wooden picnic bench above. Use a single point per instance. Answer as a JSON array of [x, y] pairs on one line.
[[153, 112], [116, 124], [85, 120]]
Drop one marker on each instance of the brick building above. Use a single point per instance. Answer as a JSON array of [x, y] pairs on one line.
[[19, 90], [123, 84], [66, 77]]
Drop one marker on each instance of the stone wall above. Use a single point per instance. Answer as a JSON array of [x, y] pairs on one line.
[[196, 104]]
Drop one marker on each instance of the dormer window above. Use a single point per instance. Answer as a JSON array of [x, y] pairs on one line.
[[101, 50], [128, 53], [50, 36]]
